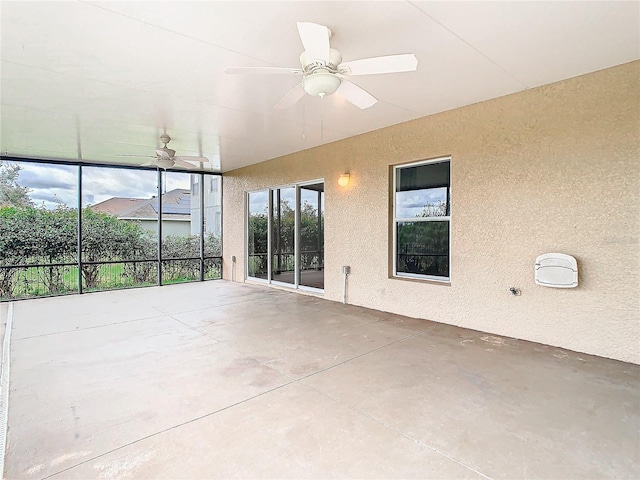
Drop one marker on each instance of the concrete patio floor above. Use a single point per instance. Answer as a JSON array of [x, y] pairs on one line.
[[223, 380]]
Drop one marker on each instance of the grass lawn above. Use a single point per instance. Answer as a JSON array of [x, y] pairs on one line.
[[47, 281]]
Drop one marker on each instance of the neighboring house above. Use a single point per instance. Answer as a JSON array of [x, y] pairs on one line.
[[176, 218], [212, 204]]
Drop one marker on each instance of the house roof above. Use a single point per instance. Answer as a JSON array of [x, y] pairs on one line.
[[176, 205], [118, 205]]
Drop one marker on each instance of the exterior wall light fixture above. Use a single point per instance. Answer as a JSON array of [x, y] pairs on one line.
[[343, 181]]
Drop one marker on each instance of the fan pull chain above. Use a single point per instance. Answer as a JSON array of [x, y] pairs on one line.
[[322, 119], [304, 119]]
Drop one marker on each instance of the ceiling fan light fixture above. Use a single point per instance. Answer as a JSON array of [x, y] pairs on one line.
[[321, 83]]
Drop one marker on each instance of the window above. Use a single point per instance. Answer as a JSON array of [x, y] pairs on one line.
[[421, 220], [112, 228], [195, 188]]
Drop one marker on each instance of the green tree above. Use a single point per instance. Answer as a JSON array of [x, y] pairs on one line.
[[34, 241], [311, 242], [106, 238], [30, 236], [12, 194], [36, 236], [438, 209], [16, 245], [257, 248], [56, 231], [283, 237]]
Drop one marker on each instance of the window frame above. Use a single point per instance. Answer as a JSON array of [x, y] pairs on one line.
[[395, 220]]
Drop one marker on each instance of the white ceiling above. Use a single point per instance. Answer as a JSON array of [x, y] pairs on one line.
[[91, 80]]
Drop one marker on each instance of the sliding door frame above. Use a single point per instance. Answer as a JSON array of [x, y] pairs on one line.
[[298, 208]]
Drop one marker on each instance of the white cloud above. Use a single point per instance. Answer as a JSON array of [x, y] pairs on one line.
[[49, 182], [258, 202], [100, 184], [412, 202]]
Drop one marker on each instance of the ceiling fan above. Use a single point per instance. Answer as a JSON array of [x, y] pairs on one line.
[[323, 72], [166, 157]]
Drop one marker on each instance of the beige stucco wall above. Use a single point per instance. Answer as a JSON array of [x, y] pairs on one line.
[[552, 169], [170, 228]]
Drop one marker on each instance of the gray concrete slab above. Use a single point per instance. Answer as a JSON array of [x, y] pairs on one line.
[[294, 432], [222, 380], [507, 408]]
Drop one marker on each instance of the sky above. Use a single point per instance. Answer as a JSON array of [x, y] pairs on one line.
[[48, 183], [258, 201], [411, 203]]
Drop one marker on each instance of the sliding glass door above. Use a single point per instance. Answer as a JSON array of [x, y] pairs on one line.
[[258, 234], [285, 241], [312, 235], [283, 235]]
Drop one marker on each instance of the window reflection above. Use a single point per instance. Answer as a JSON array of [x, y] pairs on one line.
[[428, 202], [423, 248]]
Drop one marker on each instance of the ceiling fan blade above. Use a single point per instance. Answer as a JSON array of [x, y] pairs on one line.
[[179, 163], [356, 95], [388, 64], [264, 70], [137, 156], [295, 94], [315, 39], [150, 163], [192, 159]]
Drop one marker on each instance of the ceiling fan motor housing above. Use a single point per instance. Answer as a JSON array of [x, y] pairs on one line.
[[320, 77], [309, 64], [165, 152], [165, 162]]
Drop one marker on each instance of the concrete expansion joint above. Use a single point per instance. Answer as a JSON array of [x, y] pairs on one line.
[[78, 329], [173, 427], [396, 431], [330, 367], [298, 379], [192, 328]]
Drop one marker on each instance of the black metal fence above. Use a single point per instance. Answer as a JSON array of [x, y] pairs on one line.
[[51, 279], [422, 260], [284, 262], [73, 249]]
